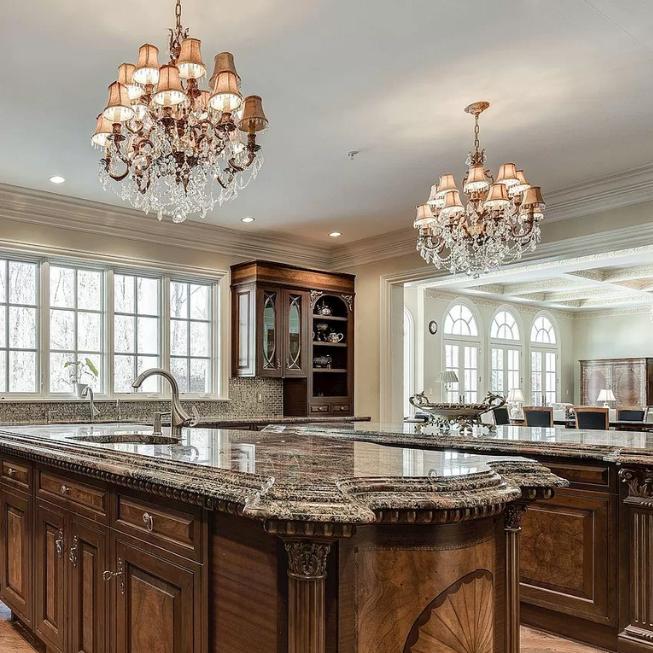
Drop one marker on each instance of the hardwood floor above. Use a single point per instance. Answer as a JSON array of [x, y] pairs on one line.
[[533, 641]]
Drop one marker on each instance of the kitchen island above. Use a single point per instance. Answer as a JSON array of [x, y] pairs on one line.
[[587, 554], [114, 540]]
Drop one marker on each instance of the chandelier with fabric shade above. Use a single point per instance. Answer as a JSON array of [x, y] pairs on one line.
[[171, 147], [498, 223]]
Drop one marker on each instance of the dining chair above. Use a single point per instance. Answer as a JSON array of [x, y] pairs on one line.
[[592, 417], [501, 416], [538, 416], [630, 414]]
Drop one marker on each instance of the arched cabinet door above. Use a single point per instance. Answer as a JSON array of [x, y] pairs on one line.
[[296, 354], [268, 341]]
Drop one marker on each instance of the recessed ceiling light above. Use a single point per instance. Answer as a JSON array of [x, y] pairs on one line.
[[57, 179], [335, 234], [247, 219]]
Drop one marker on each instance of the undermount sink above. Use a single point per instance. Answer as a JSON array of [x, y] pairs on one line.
[[126, 438]]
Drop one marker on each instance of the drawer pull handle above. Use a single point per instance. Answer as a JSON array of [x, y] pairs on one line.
[[149, 521], [58, 543], [11, 471], [72, 556], [110, 575], [65, 489]]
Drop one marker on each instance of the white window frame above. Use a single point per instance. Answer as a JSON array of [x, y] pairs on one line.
[[544, 349], [219, 326], [506, 345], [409, 361]]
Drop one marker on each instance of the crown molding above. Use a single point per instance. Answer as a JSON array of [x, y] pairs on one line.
[[375, 248], [612, 313], [52, 210]]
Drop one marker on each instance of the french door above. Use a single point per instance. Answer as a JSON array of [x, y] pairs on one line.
[[505, 369], [462, 358], [544, 377]]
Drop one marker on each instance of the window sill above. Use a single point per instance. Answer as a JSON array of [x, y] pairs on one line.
[[8, 399]]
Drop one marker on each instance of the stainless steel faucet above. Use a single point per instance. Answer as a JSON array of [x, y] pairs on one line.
[[88, 392], [178, 416]]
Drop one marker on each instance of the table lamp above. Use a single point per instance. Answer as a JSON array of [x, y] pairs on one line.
[[447, 377], [516, 398], [605, 396]]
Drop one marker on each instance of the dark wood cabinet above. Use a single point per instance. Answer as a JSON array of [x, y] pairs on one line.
[[631, 380], [297, 325], [49, 578], [16, 553], [157, 604]]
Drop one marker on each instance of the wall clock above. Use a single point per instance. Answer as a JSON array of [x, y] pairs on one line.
[[433, 327]]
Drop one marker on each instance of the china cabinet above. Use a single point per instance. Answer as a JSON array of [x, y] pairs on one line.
[[631, 380], [297, 325]]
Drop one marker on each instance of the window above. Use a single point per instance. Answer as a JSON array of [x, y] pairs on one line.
[[409, 362], [136, 339], [190, 336], [70, 321], [543, 331], [18, 326], [461, 354], [504, 357], [460, 321], [544, 357]]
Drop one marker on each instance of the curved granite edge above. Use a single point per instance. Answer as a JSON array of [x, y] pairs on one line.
[[342, 499], [490, 445]]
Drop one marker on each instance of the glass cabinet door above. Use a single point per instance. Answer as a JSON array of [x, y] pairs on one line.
[[294, 334], [269, 330]]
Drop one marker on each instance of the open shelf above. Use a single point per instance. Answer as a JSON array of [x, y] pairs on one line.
[[317, 343], [333, 318], [326, 370]]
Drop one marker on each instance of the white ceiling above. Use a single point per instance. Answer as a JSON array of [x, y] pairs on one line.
[[569, 81], [614, 280]]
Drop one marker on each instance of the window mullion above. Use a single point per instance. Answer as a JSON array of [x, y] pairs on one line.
[[165, 326], [43, 307], [109, 325]]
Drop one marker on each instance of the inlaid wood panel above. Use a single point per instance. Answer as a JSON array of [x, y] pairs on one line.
[[629, 378], [401, 591], [88, 560], [49, 561], [157, 604], [566, 562], [16, 540]]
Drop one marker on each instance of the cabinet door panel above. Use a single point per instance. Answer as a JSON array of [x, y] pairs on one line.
[[16, 535], [87, 557], [243, 352], [50, 579], [156, 608], [268, 339], [295, 334]]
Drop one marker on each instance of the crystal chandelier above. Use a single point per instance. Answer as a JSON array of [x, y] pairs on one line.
[[499, 222], [170, 146]]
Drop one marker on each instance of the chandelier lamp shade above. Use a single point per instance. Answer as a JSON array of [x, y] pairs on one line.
[[171, 147], [497, 223]]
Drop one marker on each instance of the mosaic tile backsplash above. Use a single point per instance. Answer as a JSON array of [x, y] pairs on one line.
[[247, 398]]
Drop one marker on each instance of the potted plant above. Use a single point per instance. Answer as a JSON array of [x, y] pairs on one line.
[[78, 370]]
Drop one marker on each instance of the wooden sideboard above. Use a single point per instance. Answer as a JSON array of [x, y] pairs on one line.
[[631, 380], [297, 325]]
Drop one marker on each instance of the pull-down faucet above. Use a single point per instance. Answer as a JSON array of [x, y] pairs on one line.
[[178, 416], [88, 392]]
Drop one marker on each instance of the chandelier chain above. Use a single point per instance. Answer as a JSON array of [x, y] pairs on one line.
[[477, 129], [178, 14]]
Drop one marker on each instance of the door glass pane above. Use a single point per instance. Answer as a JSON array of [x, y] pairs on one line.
[[269, 329], [294, 335], [243, 330]]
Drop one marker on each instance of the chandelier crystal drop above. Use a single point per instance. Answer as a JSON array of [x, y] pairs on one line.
[[498, 223], [171, 147]]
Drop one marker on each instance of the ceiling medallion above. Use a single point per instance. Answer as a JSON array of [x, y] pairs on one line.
[[499, 222], [170, 146]]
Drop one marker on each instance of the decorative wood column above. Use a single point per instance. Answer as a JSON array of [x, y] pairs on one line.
[[307, 561], [638, 631], [513, 517]]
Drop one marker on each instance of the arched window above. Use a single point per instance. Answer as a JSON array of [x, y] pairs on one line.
[[544, 362], [504, 326], [543, 331], [461, 354], [460, 321], [409, 361], [505, 353]]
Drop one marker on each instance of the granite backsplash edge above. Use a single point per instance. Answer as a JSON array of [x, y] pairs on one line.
[[255, 397]]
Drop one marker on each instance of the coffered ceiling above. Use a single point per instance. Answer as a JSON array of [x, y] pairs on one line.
[[569, 82], [594, 283]]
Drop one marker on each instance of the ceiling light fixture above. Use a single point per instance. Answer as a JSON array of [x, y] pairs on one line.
[[166, 140], [57, 179], [335, 234], [247, 219], [497, 225]]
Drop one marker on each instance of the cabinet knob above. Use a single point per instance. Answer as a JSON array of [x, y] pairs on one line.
[[65, 489], [11, 471], [149, 521]]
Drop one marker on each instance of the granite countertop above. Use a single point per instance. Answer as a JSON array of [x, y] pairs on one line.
[[218, 422], [623, 447], [288, 476]]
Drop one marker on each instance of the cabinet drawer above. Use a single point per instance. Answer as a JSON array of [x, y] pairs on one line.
[[337, 409], [583, 474], [320, 409], [72, 493], [16, 474], [174, 530]]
